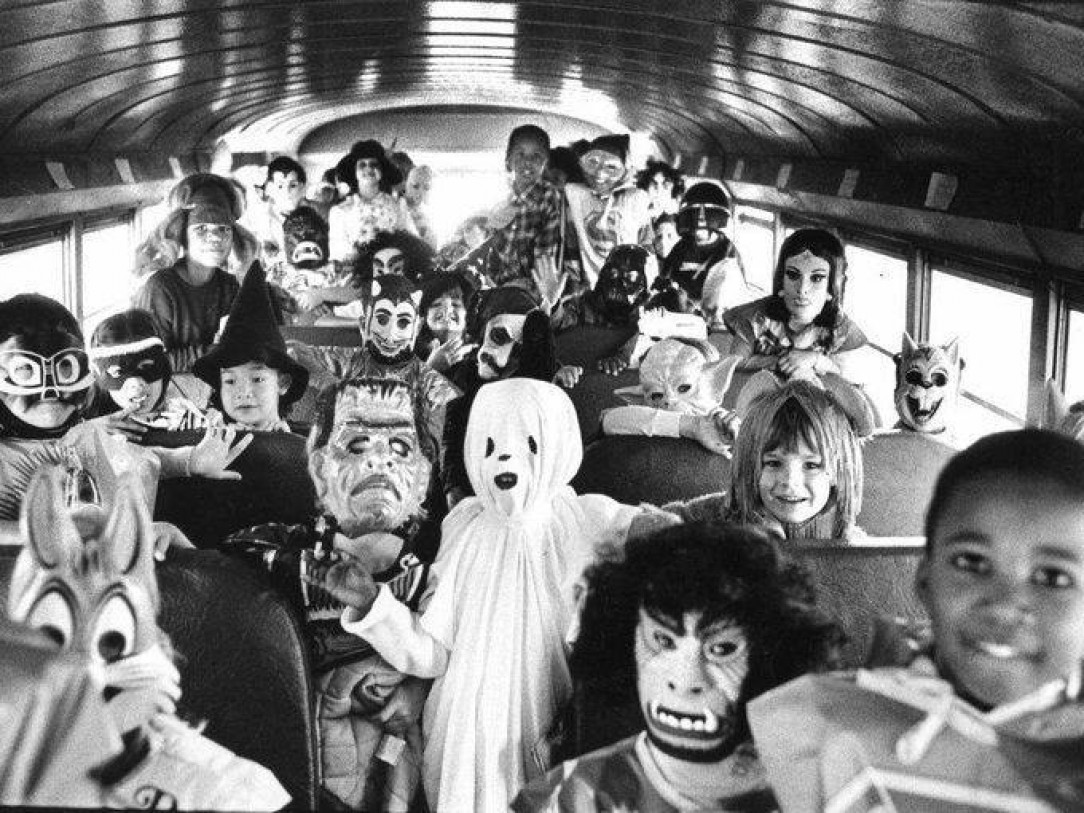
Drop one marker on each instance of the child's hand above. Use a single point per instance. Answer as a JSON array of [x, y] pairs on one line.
[[443, 356], [344, 578], [568, 376], [405, 705], [166, 536], [122, 423], [710, 433], [613, 365], [802, 364], [210, 457]]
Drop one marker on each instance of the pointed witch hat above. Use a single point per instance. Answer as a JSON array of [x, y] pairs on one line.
[[251, 334]]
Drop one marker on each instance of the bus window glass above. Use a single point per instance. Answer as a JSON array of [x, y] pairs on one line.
[[1074, 367], [876, 295], [754, 235], [993, 325], [107, 278], [34, 267]]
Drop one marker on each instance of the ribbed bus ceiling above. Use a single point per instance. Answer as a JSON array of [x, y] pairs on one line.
[[965, 86]]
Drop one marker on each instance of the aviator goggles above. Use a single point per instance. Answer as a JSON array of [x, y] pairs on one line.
[[24, 372]]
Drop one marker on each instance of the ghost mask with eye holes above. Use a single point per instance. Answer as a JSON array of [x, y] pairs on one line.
[[927, 385], [45, 376], [86, 578]]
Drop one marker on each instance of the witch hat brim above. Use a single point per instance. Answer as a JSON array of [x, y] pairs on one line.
[[251, 334]]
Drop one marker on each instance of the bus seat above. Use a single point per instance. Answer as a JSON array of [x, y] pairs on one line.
[[274, 487], [323, 336], [586, 344], [858, 583], [243, 660], [634, 469], [855, 585], [595, 392], [900, 471]]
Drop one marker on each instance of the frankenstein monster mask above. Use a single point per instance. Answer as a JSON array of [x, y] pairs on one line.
[[371, 474], [679, 376], [87, 580], [927, 384]]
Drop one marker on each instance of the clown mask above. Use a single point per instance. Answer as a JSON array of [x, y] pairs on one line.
[[44, 379], [134, 374], [683, 377], [498, 356], [392, 325], [446, 317], [927, 384], [689, 679], [87, 580], [372, 474], [622, 283]]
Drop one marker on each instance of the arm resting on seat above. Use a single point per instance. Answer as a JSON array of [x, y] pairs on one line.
[[395, 632]]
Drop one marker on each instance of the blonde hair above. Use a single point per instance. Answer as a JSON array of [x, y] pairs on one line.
[[780, 418]]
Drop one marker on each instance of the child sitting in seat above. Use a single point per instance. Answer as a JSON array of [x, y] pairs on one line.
[[797, 464], [992, 704], [253, 379], [800, 330]]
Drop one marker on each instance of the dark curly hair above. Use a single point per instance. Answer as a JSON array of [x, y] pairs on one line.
[[418, 256], [722, 570], [653, 168]]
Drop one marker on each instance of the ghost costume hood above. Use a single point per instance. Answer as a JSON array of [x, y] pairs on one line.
[[503, 598]]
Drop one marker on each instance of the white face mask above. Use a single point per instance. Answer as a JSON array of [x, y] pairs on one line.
[[503, 333]]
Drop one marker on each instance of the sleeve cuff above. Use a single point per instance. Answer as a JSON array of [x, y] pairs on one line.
[[357, 624]]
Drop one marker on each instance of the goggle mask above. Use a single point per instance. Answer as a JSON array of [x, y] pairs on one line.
[[26, 373]]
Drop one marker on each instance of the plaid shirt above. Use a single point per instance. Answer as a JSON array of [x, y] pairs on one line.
[[534, 230]]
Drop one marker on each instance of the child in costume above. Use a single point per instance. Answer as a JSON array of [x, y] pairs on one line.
[[800, 330], [370, 462], [133, 375], [705, 266], [680, 394], [389, 323], [253, 380], [608, 210], [500, 600], [664, 185], [797, 466], [511, 337], [689, 626], [987, 713], [927, 387], [369, 207], [191, 288], [86, 578], [443, 309]]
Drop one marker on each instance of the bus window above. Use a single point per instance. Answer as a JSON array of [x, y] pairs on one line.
[[33, 262], [993, 324], [107, 277], [876, 295], [754, 235], [1074, 363]]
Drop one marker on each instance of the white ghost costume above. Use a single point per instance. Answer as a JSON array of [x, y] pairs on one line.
[[501, 599]]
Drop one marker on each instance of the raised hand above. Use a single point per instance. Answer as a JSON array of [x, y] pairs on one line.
[[443, 356], [210, 457], [568, 376]]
